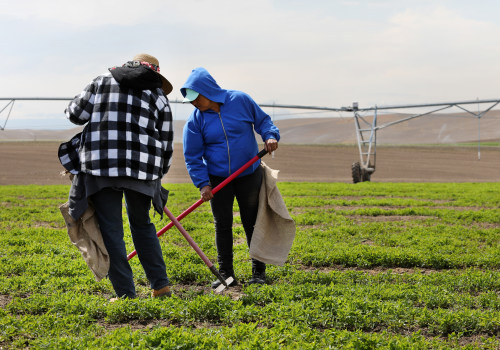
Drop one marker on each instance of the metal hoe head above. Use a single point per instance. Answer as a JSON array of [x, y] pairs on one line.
[[224, 284]]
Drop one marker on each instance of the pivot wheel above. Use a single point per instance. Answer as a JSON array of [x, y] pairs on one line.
[[359, 174], [365, 175], [356, 172]]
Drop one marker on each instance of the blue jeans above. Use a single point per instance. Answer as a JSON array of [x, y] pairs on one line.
[[108, 206], [246, 191]]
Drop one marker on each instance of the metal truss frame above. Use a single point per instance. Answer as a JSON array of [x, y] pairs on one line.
[[367, 127]]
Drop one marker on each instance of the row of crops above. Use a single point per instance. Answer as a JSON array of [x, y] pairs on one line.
[[373, 266]]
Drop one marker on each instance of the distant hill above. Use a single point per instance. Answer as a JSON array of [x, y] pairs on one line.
[[432, 129]]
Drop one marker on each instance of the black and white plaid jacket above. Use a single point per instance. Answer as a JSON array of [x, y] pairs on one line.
[[129, 131]]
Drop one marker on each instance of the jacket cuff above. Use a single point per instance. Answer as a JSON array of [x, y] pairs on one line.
[[203, 184]]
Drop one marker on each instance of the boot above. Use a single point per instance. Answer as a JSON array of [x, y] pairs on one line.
[[162, 292], [258, 273]]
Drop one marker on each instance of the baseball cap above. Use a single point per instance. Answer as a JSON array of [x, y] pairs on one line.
[[191, 95]]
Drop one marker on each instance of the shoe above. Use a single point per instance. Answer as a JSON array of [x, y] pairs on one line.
[[224, 275], [123, 297], [258, 272], [258, 278], [162, 292]]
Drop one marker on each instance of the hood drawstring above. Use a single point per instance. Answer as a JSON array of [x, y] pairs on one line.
[[227, 143]]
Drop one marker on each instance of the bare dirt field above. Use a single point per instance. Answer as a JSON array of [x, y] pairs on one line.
[[24, 163], [311, 149]]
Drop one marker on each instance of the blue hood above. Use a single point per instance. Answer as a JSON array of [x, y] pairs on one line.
[[203, 83], [219, 143]]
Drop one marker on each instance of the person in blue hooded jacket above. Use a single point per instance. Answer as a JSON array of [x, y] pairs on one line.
[[219, 139]]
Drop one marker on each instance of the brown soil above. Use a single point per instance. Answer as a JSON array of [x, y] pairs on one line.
[[24, 163]]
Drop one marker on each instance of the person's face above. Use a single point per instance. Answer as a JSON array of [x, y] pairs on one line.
[[202, 103]]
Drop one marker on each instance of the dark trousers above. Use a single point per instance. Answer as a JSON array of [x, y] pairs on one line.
[[108, 206], [246, 191]]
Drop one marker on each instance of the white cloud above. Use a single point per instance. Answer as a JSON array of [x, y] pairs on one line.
[[88, 13], [327, 53]]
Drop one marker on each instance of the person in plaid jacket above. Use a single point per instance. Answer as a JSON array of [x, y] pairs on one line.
[[124, 150]]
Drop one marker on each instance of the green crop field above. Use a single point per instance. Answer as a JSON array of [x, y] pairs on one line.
[[373, 266]]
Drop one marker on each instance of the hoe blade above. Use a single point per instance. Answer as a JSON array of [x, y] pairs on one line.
[[224, 284]]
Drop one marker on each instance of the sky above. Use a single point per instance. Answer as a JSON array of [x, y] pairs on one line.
[[327, 53]]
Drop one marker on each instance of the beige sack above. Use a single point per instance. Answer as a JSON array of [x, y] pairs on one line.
[[86, 236], [274, 229]]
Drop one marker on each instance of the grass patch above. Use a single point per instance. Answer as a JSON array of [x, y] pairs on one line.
[[373, 265]]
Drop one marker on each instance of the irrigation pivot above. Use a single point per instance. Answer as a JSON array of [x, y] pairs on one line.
[[367, 127], [365, 123]]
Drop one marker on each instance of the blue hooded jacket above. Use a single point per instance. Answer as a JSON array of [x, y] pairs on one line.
[[221, 143]]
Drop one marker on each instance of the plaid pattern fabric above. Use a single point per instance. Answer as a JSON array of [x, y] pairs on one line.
[[68, 154], [129, 131]]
